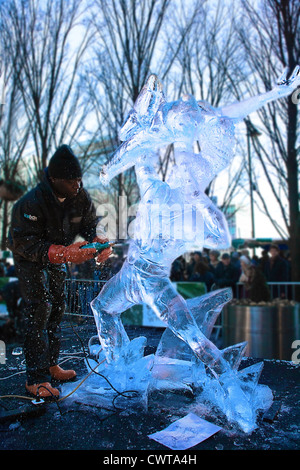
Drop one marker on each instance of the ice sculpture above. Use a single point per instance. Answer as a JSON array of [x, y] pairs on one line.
[[175, 216]]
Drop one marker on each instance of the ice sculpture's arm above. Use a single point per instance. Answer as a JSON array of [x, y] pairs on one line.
[[284, 87], [126, 156]]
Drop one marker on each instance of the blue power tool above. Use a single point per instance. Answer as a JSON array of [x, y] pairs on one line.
[[98, 246]]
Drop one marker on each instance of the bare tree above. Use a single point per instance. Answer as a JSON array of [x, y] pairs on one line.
[[49, 60], [204, 67], [133, 40], [14, 131], [130, 36], [272, 42]]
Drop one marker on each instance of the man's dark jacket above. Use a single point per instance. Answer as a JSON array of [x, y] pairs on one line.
[[39, 220]]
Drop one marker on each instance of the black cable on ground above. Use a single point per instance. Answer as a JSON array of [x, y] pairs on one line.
[[57, 400], [103, 376]]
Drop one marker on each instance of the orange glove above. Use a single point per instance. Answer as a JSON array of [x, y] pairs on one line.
[[105, 253], [59, 254]]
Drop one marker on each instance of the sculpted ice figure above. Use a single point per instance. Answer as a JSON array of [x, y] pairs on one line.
[[174, 217]]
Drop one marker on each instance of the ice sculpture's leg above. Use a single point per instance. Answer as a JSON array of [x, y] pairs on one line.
[[107, 308], [173, 310], [205, 309], [215, 228]]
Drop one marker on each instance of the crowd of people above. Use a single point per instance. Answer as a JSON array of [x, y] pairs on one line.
[[218, 270], [247, 275], [210, 267]]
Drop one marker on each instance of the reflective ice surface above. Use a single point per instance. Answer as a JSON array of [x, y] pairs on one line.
[[175, 216]]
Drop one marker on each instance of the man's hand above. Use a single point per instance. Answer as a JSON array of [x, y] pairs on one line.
[[105, 254], [59, 254]]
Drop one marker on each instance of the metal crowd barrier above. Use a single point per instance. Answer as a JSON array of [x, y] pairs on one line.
[[80, 292], [278, 290]]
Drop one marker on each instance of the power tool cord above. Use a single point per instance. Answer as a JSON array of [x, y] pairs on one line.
[[93, 370]]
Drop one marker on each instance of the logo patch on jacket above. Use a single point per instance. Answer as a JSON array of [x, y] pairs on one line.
[[30, 217], [76, 220]]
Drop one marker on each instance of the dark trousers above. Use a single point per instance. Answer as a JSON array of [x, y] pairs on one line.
[[42, 289]]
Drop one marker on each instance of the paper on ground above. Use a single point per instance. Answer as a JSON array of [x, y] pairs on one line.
[[185, 432]]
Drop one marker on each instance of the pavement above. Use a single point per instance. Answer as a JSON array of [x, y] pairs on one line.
[[118, 433]]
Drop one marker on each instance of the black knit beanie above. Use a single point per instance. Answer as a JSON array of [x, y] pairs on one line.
[[64, 164]]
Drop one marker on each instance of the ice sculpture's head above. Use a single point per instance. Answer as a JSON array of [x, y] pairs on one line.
[[166, 122], [144, 109], [154, 123]]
